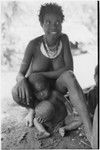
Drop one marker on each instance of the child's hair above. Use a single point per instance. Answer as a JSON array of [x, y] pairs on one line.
[[38, 82], [50, 8]]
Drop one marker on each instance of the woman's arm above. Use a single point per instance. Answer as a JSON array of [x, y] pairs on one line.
[[25, 62], [54, 74]]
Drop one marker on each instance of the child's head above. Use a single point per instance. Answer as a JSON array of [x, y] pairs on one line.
[[96, 75], [51, 17], [40, 85]]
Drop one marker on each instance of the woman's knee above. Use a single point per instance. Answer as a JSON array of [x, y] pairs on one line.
[[66, 75], [22, 101], [61, 81], [16, 98]]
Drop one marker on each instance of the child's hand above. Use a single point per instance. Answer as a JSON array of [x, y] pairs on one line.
[[62, 131]]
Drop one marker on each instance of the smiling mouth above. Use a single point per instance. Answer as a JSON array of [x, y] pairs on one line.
[[53, 33]]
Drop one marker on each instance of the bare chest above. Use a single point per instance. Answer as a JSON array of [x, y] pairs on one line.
[[58, 62], [42, 63]]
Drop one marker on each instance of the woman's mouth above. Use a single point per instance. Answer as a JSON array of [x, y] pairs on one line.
[[53, 32]]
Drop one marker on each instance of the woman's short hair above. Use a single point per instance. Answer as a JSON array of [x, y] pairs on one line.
[[50, 8]]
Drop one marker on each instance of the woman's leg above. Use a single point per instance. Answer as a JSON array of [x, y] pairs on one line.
[[77, 98], [42, 131], [23, 102], [60, 86]]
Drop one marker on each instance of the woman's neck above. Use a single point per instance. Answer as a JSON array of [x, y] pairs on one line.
[[50, 42]]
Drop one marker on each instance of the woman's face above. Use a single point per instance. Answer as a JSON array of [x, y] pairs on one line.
[[52, 26]]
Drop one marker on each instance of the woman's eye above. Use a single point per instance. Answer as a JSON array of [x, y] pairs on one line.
[[57, 23]]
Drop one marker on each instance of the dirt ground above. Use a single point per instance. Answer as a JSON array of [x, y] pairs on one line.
[[15, 135]]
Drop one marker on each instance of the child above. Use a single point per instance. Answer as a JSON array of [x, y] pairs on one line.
[[50, 104], [48, 54]]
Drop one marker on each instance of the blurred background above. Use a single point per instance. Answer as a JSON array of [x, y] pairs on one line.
[[20, 24]]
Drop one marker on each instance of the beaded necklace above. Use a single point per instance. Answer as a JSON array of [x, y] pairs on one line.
[[51, 52], [51, 48]]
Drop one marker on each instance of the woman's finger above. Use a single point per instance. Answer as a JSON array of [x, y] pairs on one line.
[[20, 93], [23, 94], [27, 97]]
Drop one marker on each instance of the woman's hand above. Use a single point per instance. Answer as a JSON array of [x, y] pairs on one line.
[[23, 90], [20, 77]]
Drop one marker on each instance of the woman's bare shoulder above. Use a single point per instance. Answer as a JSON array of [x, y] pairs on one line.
[[36, 40], [64, 38], [63, 35], [33, 44]]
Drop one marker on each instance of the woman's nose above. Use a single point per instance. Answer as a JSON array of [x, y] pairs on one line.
[[53, 26]]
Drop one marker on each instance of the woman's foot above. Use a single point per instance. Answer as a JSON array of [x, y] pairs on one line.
[[42, 133], [29, 118]]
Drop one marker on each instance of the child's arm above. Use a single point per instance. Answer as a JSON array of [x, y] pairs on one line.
[[68, 60], [57, 96], [66, 101], [25, 62]]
